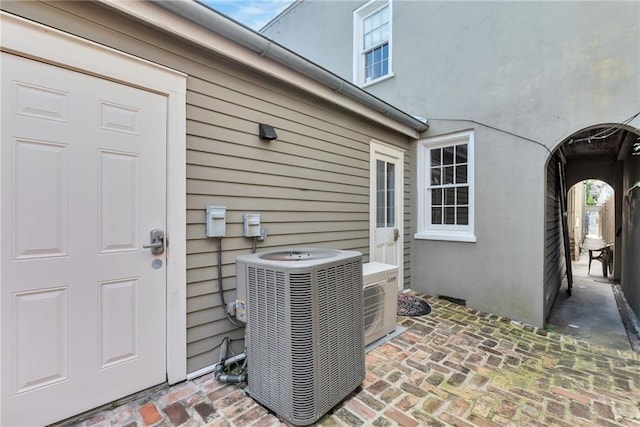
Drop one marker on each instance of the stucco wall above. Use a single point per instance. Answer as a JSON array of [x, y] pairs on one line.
[[337, 33], [530, 66], [541, 70], [502, 271]]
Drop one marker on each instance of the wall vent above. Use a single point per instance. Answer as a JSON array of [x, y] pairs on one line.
[[462, 302]]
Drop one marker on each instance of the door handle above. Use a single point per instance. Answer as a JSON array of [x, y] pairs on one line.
[[396, 234], [157, 242]]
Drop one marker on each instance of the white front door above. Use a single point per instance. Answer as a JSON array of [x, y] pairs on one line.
[[387, 199], [83, 182]]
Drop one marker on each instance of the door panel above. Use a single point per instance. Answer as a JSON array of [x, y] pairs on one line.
[[83, 183], [119, 324], [118, 183], [41, 335], [42, 192], [386, 240]]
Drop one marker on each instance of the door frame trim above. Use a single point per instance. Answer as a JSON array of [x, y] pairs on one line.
[[378, 147], [42, 43]]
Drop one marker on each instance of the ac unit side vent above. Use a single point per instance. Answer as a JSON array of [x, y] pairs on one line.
[[269, 315], [373, 307], [380, 300], [338, 332], [301, 343]]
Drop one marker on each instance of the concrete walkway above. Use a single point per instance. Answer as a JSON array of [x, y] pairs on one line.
[[454, 366], [591, 312]]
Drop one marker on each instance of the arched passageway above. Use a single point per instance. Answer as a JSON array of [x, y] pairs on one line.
[[591, 311], [608, 153]]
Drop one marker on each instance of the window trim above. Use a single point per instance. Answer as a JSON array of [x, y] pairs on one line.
[[457, 233], [359, 15]]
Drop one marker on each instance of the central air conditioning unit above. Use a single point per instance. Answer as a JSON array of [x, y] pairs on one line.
[[304, 336], [380, 300]]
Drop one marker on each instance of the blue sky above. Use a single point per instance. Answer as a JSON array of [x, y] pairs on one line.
[[252, 13]]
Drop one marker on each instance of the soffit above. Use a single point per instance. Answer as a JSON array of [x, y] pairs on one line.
[[605, 141]]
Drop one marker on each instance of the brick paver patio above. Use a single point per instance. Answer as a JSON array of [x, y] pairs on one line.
[[454, 366]]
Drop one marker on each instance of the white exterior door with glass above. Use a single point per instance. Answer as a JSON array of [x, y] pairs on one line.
[[386, 212]]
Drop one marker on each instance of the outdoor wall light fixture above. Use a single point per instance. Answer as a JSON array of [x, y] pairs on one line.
[[267, 132]]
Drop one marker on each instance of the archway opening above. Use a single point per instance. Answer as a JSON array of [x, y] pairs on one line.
[[589, 220]]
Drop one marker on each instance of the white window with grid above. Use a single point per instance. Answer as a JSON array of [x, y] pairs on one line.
[[372, 42], [446, 188]]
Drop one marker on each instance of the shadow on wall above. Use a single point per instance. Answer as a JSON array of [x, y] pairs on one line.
[[631, 211], [631, 240]]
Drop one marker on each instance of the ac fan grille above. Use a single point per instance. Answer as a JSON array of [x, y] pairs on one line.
[[305, 338]]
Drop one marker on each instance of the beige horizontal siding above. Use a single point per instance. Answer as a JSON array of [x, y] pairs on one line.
[[269, 192], [311, 185], [197, 216], [238, 105]]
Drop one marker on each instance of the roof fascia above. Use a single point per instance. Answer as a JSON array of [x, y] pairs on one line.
[[243, 45]]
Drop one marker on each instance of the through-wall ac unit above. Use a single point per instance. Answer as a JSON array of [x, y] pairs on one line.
[[304, 336], [380, 282]]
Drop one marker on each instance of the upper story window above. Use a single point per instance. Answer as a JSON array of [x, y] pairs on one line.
[[446, 188], [372, 42]]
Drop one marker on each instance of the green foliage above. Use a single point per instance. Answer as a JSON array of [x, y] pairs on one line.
[[591, 201]]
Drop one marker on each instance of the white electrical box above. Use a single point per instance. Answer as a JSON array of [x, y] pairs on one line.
[[251, 225], [216, 218]]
